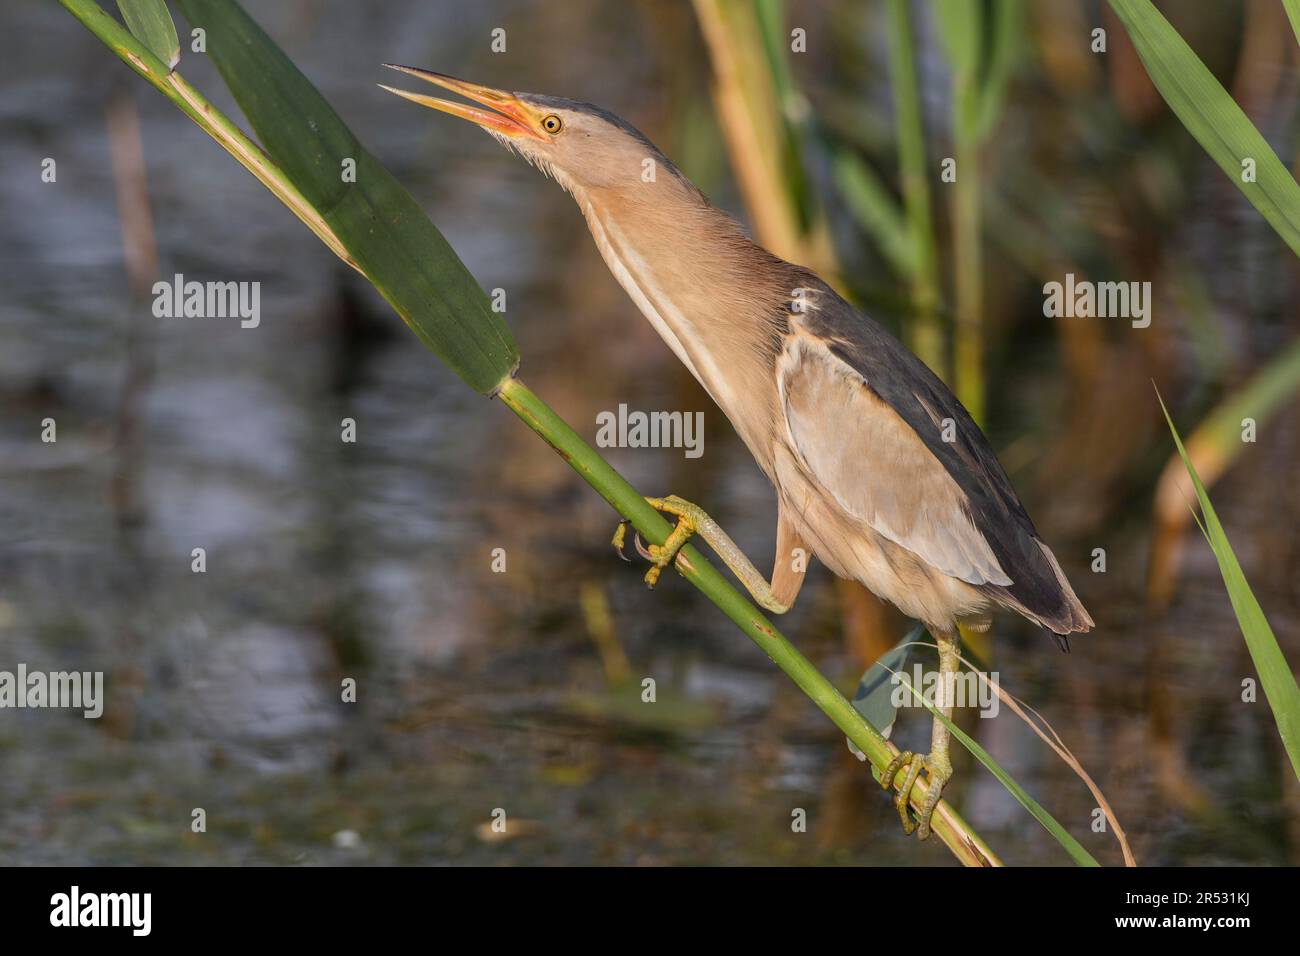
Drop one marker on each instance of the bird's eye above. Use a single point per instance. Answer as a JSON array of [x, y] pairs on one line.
[[552, 124]]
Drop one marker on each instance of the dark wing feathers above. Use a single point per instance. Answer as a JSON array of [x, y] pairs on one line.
[[923, 401]]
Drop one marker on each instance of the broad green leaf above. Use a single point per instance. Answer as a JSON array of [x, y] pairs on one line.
[[1213, 118], [151, 24], [382, 227], [1274, 673], [874, 698]]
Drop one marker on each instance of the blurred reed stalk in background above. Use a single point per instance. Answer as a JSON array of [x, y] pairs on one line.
[[981, 41], [141, 259]]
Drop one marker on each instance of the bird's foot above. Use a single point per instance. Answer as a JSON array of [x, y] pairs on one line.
[[938, 772], [693, 520], [661, 556]]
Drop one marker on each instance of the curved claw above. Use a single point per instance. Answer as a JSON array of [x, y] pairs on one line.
[[663, 555], [658, 557], [620, 534]]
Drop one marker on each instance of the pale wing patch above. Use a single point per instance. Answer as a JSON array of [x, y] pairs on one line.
[[869, 459]]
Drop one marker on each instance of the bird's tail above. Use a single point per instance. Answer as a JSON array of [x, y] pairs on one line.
[[1062, 614], [1074, 616]]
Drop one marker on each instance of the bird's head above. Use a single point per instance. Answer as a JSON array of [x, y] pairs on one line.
[[582, 146]]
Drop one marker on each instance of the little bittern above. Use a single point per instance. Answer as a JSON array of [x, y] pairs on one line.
[[878, 468]]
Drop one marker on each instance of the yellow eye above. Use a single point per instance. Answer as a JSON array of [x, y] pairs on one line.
[[552, 124]]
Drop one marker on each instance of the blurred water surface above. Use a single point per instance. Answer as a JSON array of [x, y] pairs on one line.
[[372, 561]]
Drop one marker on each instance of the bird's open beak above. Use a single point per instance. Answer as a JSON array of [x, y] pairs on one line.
[[507, 114]]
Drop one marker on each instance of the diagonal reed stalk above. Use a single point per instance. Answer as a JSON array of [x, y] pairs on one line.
[[1209, 113], [305, 136], [1279, 683], [1213, 447]]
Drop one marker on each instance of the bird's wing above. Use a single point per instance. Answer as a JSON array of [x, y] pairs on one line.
[[858, 447], [890, 379]]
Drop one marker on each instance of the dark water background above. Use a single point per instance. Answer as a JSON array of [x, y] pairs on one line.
[[372, 560]]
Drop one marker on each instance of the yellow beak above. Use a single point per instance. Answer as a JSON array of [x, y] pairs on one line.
[[507, 113]]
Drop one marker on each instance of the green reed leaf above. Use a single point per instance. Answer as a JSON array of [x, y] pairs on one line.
[[382, 227], [1213, 118], [151, 24], [1274, 673]]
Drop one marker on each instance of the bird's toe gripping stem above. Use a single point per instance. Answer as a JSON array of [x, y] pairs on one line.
[[661, 556], [939, 771]]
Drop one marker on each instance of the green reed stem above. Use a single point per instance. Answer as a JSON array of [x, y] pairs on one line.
[[206, 116], [965, 844]]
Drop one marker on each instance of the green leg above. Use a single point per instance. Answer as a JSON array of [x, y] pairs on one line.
[[693, 520], [936, 763]]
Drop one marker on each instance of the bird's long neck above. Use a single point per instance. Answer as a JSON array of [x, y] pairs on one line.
[[717, 299]]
